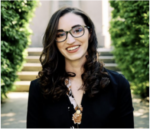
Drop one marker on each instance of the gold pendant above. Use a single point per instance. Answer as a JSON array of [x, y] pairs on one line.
[[77, 116]]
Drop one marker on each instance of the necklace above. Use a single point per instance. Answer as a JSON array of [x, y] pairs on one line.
[[77, 116]]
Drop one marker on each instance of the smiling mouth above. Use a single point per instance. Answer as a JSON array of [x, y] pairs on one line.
[[73, 48]]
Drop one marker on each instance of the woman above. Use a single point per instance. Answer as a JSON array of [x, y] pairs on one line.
[[74, 90]]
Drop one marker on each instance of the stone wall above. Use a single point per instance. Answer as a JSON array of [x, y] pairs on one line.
[[99, 12]]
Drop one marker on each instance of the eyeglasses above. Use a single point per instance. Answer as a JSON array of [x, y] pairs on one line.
[[76, 32]]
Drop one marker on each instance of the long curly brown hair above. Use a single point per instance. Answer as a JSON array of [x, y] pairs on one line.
[[53, 74]]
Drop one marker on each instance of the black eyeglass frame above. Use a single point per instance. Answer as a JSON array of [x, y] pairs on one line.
[[71, 33]]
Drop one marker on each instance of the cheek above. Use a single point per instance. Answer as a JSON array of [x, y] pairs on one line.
[[60, 48], [85, 41], [86, 37]]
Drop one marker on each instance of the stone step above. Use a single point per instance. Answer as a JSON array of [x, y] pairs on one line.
[[38, 51], [34, 51], [27, 75], [33, 59], [31, 75], [111, 66], [37, 66], [104, 51], [107, 59], [32, 67], [22, 86]]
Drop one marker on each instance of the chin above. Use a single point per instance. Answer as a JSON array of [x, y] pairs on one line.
[[74, 58]]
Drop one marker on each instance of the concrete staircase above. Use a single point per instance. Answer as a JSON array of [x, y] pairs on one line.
[[31, 68], [108, 59]]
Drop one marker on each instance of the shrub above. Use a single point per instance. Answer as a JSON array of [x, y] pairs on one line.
[[15, 32], [129, 30]]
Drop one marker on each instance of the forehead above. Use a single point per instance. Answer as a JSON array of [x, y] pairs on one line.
[[68, 20]]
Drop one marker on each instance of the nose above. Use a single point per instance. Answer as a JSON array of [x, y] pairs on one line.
[[70, 38]]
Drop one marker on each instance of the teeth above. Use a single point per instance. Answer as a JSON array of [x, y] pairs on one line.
[[72, 48]]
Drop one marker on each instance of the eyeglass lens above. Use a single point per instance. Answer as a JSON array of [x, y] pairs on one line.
[[77, 31]]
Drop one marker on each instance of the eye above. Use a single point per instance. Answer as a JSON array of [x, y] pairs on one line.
[[61, 34], [77, 29]]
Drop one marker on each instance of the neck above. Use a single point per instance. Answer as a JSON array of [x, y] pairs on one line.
[[75, 66]]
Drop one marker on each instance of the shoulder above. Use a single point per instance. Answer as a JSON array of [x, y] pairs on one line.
[[36, 82], [118, 80], [34, 85]]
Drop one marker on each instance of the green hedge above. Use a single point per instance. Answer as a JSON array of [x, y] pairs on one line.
[[15, 32], [129, 30]]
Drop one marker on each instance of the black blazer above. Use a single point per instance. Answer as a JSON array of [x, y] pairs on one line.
[[112, 108]]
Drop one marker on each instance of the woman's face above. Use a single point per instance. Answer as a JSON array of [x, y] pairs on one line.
[[66, 23]]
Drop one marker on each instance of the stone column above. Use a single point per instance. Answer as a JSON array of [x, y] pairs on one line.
[[54, 6], [94, 10], [105, 23], [76, 3], [39, 23]]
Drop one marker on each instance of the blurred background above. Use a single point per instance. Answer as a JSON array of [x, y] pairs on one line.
[[122, 29]]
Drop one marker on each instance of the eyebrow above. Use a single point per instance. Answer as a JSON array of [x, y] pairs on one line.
[[60, 30]]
